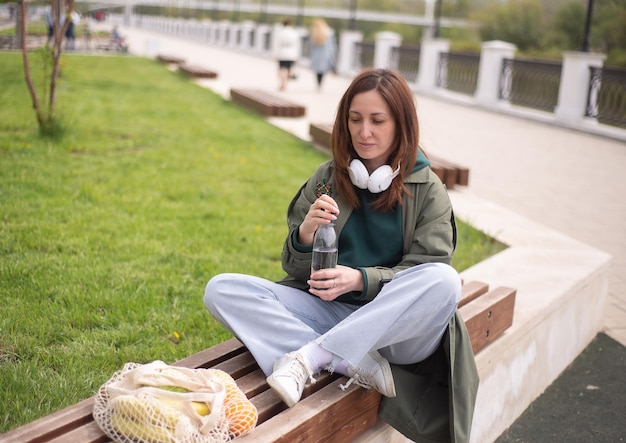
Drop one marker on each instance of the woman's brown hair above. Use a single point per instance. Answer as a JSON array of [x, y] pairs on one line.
[[399, 97]]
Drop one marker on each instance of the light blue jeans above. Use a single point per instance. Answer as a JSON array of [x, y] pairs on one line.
[[405, 322]]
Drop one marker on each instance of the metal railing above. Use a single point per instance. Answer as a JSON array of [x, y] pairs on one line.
[[525, 83], [606, 100], [406, 59], [530, 83], [363, 55], [458, 71]]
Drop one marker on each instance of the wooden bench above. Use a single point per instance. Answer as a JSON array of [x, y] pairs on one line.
[[448, 172], [170, 59], [266, 104], [326, 412], [112, 46], [196, 71]]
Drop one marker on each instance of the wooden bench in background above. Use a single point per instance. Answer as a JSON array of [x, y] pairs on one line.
[[448, 172], [326, 413], [170, 59], [266, 104], [196, 71]]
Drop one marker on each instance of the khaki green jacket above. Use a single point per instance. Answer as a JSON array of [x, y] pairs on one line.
[[429, 232], [435, 401]]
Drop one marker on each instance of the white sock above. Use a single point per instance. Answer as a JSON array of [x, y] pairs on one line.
[[316, 356]]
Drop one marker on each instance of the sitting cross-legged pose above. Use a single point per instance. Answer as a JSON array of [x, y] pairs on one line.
[[393, 294]]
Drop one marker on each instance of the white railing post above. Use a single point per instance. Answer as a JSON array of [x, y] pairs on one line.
[[429, 63], [489, 70], [232, 35], [259, 39], [347, 49], [222, 35], [213, 32], [246, 35], [385, 41], [574, 86]]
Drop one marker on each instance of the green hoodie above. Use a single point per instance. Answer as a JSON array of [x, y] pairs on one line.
[[423, 228]]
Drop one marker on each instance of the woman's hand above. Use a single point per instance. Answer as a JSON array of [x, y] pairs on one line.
[[322, 211], [328, 284]]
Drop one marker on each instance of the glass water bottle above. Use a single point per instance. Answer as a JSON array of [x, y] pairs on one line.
[[324, 248]]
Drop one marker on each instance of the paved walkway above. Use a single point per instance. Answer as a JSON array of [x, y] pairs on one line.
[[566, 180]]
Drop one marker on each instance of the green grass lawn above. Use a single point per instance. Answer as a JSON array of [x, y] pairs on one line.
[[109, 233]]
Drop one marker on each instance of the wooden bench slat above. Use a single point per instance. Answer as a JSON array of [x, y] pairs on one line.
[[268, 405], [88, 433], [53, 425], [252, 384], [489, 316], [213, 355], [239, 365], [324, 416], [472, 290]]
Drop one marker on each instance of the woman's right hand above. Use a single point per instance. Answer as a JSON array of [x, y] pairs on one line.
[[322, 211]]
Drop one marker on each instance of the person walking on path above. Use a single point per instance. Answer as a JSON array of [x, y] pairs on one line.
[[323, 49], [49, 24], [70, 32], [391, 299], [287, 51]]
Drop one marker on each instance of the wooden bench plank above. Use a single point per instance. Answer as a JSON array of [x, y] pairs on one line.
[[489, 316], [213, 355], [87, 433], [266, 104], [472, 290], [54, 425], [329, 415]]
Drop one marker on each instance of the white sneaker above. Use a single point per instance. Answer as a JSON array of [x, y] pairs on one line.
[[289, 377], [373, 371]]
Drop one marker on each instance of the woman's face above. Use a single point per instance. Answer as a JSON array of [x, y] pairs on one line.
[[372, 128]]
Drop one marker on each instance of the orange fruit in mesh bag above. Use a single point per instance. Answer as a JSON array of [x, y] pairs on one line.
[[242, 415]]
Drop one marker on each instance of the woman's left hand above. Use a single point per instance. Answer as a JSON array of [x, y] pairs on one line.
[[328, 284]]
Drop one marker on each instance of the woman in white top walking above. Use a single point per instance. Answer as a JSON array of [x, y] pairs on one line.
[[287, 51]]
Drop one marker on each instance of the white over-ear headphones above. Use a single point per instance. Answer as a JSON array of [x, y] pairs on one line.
[[379, 181]]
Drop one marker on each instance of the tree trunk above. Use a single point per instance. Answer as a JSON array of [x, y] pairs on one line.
[[59, 33], [20, 34], [29, 82]]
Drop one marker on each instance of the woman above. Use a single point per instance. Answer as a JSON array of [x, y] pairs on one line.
[[392, 296], [287, 51], [323, 49]]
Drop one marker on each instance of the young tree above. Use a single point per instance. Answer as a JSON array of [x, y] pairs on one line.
[[519, 22], [45, 113]]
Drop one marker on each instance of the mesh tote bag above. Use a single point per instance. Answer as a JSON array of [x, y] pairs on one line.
[[157, 403]]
